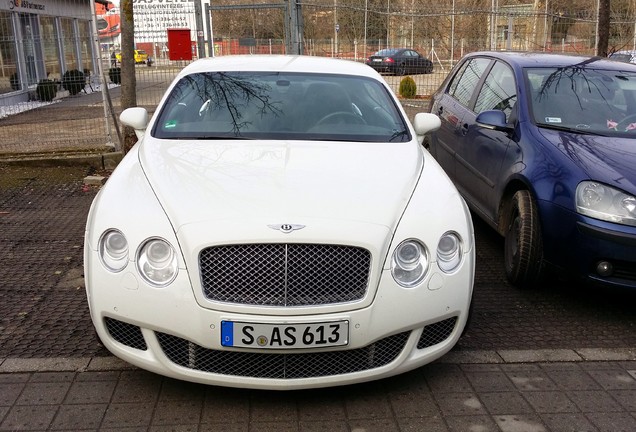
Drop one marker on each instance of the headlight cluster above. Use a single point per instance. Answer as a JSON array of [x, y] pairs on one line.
[[410, 261], [157, 262], [449, 252], [605, 203], [113, 250], [156, 258]]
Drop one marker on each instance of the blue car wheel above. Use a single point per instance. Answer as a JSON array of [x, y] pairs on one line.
[[523, 251]]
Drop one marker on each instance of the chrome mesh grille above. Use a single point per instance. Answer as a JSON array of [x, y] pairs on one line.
[[285, 274], [124, 333], [436, 332], [282, 366]]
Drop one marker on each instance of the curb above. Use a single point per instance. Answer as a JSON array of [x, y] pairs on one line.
[[96, 160]]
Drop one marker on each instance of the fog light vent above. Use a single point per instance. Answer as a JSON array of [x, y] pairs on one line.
[[436, 332], [126, 334]]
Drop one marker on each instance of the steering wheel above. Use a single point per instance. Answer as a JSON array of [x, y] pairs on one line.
[[622, 125], [343, 117]]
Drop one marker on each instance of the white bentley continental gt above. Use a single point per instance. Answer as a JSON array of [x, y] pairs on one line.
[[279, 226]]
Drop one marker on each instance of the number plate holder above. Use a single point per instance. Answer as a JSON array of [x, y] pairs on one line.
[[284, 336]]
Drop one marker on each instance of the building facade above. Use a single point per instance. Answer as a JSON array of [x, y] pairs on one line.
[[42, 39]]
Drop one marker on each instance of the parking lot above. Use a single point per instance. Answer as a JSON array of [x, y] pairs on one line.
[[44, 311]]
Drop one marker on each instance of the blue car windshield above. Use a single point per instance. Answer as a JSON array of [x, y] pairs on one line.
[[583, 99], [276, 106]]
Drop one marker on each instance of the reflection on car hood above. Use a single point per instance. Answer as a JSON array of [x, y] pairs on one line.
[[281, 182], [609, 160]]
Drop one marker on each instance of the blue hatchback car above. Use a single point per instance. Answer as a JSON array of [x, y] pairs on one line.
[[543, 148]]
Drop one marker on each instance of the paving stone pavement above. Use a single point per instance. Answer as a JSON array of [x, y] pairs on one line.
[[459, 393]]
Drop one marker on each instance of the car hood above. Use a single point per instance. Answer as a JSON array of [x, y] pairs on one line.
[[610, 160], [280, 182]]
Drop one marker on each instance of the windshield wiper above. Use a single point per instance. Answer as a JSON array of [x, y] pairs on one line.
[[216, 137], [398, 134], [568, 129]]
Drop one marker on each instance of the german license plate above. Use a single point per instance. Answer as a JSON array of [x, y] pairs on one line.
[[284, 336]]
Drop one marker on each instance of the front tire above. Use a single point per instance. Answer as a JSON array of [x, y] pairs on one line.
[[523, 250]]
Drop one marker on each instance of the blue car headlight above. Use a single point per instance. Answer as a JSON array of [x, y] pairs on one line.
[[605, 203]]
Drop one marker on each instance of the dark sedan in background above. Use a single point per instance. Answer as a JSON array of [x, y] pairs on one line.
[[400, 61], [543, 148]]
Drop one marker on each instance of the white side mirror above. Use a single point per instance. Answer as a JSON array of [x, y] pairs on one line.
[[137, 118], [425, 123]]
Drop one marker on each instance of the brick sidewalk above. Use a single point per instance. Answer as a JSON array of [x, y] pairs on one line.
[[107, 395]]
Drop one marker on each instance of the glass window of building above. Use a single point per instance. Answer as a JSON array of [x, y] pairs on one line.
[[51, 48], [9, 76], [85, 45], [68, 44], [30, 33]]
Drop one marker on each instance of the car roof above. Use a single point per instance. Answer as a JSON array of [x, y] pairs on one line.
[[530, 59], [279, 63]]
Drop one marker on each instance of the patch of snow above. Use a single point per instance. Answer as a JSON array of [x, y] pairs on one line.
[[6, 111]]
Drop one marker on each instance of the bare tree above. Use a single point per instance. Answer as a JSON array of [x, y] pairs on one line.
[[603, 28]]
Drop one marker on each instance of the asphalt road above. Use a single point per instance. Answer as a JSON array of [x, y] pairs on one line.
[[43, 312]]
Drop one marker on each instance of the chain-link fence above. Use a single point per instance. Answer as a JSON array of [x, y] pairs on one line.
[[351, 29]]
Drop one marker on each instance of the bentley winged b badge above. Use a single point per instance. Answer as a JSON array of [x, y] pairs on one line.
[[286, 228]]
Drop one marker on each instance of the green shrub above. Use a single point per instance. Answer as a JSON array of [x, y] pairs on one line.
[[73, 81], [46, 90], [407, 89], [114, 74], [15, 81]]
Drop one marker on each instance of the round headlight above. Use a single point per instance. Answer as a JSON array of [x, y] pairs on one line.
[[157, 262], [594, 196], [113, 250], [449, 252], [409, 263]]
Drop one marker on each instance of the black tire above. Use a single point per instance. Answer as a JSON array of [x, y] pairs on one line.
[[401, 70], [523, 250]]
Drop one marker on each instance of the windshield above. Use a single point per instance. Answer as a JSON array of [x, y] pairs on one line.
[[273, 105], [583, 99]]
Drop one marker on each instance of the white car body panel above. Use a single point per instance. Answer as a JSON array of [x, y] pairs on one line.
[[199, 194]]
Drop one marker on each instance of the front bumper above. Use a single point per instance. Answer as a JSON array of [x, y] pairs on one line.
[[167, 332], [578, 244]]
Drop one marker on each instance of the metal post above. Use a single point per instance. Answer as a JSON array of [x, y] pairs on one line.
[[199, 24], [335, 27], [366, 10], [388, 21], [452, 47], [510, 33], [208, 22], [100, 72]]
